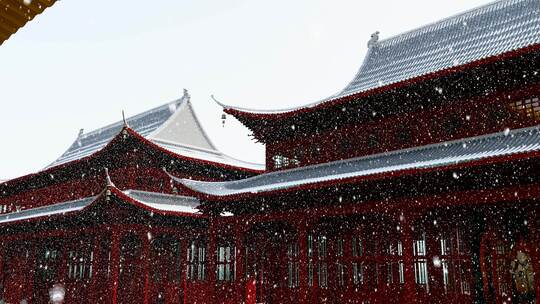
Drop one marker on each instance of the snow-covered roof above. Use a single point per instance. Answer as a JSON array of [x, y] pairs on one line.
[[50, 210], [165, 202], [159, 202], [173, 126], [430, 156], [487, 31]]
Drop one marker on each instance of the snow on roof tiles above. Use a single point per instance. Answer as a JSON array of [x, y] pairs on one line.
[[50, 210], [157, 201], [436, 155], [165, 202], [144, 124], [483, 32], [173, 126]]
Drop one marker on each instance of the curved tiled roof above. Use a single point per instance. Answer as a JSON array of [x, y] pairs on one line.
[[160, 202], [144, 124], [484, 32], [172, 126], [431, 156]]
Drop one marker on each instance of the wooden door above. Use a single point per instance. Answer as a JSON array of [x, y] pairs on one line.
[[166, 280], [17, 274], [131, 282], [264, 272], [48, 269]]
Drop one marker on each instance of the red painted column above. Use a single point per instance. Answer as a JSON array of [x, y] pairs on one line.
[[239, 246], [115, 263], [303, 290], [32, 270], [145, 237], [96, 269], [212, 252], [2, 249], [184, 244], [409, 288]]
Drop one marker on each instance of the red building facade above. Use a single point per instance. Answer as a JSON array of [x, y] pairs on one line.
[[417, 183]]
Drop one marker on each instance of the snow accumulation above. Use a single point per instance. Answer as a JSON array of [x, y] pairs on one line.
[[172, 126], [157, 201], [56, 209], [165, 202], [435, 155]]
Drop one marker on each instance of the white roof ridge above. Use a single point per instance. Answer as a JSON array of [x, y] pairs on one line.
[[183, 145], [139, 115], [199, 149]]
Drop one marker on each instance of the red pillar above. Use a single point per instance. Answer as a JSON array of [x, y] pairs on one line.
[[96, 267], [184, 246], [303, 290], [240, 249], [115, 264], [146, 262], [212, 250], [32, 270], [409, 288], [2, 249]]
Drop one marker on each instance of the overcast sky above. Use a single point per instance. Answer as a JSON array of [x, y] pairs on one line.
[[81, 62]]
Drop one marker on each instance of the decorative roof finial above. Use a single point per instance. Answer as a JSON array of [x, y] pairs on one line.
[[186, 95], [81, 132], [124, 119], [216, 101], [374, 39], [108, 177]]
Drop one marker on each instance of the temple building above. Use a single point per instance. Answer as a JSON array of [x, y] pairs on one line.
[[416, 183], [104, 219]]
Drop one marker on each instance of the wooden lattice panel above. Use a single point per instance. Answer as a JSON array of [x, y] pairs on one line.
[[529, 107]]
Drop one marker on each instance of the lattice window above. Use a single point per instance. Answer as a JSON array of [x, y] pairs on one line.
[[226, 263], [281, 161], [310, 259], [420, 264], [80, 266], [529, 107], [196, 256], [455, 259], [340, 263], [322, 256], [293, 266]]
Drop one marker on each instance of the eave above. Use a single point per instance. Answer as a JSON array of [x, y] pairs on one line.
[[14, 14]]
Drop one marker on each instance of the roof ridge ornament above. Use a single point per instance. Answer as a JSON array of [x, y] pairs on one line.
[[186, 96], [223, 115], [108, 178], [79, 137], [124, 119], [374, 40], [219, 103]]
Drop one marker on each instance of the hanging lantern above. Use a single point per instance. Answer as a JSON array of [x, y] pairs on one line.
[[223, 118]]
